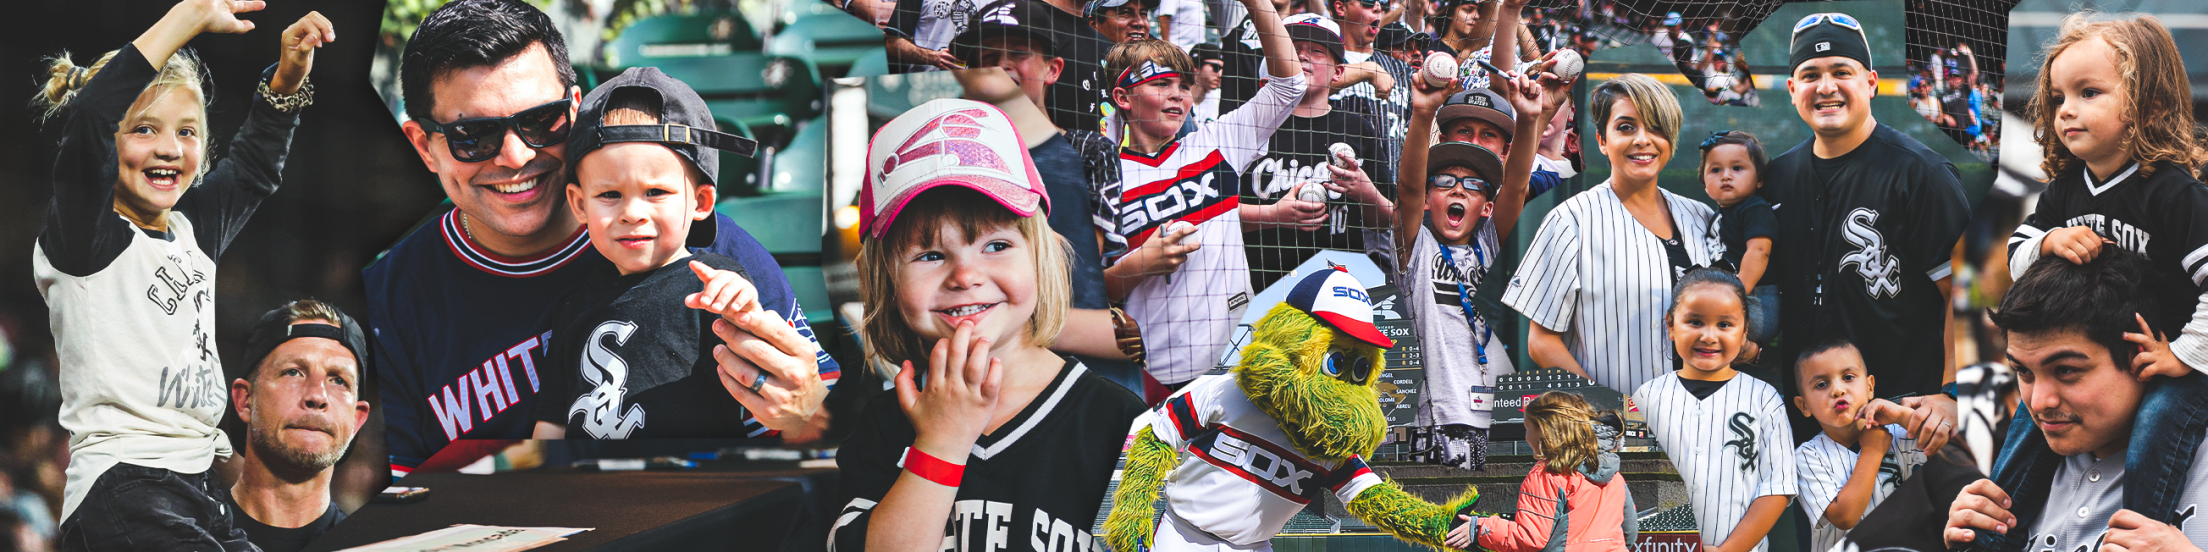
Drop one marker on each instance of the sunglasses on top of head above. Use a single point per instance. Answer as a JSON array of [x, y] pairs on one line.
[[1841, 19], [473, 140]]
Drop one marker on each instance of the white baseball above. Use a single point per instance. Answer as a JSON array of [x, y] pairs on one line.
[[1568, 64], [1176, 226], [1312, 192], [1336, 152], [1441, 69]]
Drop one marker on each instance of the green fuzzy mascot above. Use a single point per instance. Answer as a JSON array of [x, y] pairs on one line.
[[1296, 419]]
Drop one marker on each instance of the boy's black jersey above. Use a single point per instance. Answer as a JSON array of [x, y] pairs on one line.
[[632, 361], [1034, 485], [2163, 216], [1863, 239], [1297, 154]]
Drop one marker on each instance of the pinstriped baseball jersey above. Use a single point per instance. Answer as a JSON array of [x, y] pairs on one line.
[[1595, 274], [1730, 448], [1824, 466]]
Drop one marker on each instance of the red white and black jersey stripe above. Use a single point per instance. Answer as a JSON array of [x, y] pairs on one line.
[[457, 238]]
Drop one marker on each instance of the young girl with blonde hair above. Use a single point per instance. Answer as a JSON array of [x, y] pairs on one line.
[[126, 261], [1575, 473]]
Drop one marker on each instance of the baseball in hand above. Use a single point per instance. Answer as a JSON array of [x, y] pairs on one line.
[[1312, 192], [1336, 152], [1176, 226], [1568, 65], [1441, 69]]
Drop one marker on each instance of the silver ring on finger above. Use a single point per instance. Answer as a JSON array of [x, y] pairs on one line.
[[759, 382]]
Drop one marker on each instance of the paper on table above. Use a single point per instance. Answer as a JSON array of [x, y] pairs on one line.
[[474, 538]]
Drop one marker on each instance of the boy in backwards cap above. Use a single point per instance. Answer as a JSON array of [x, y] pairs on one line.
[[629, 362]]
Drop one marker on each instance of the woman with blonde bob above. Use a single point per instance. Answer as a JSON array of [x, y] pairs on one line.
[[1576, 473], [1597, 279], [966, 287]]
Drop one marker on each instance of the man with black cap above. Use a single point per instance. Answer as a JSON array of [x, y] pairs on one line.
[[1867, 218], [1959, 101], [301, 404], [1287, 226], [1051, 52], [1210, 67]]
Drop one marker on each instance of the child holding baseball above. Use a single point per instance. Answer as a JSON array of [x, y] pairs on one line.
[[126, 262], [2115, 117], [966, 287], [1727, 434]]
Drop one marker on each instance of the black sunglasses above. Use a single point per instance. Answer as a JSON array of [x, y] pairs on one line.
[[1445, 181], [1353, 369], [473, 140]]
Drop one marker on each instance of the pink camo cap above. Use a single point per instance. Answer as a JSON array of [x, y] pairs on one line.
[[947, 142]]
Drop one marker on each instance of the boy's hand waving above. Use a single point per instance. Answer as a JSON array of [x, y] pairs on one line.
[[764, 363]]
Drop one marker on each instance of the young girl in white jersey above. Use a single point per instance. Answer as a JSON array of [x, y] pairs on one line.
[[126, 261]]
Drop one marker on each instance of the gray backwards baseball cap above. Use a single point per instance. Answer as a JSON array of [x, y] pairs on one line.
[[686, 126], [1480, 103]]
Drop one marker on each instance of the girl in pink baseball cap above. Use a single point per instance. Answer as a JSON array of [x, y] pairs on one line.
[[966, 287]]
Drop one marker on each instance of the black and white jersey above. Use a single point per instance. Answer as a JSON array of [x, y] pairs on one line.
[[2163, 216], [1297, 154], [1825, 465], [1033, 486], [133, 310], [631, 361], [1867, 235], [1730, 448], [1604, 280]]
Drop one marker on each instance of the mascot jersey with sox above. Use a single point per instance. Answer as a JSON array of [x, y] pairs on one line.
[[1294, 419]]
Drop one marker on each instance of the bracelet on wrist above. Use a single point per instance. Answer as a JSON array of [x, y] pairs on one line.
[[289, 103], [933, 469]]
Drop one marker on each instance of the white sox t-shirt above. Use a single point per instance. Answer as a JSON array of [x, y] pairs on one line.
[[1239, 478]]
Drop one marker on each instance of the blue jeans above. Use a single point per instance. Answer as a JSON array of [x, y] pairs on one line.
[[1763, 313], [2165, 433]]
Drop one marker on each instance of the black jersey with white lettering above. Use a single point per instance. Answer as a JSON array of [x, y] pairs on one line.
[[1033, 486], [632, 361], [1297, 154], [2162, 215], [1868, 234]]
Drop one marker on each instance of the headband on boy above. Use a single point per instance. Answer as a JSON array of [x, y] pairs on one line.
[[1150, 70], [1828, 34]]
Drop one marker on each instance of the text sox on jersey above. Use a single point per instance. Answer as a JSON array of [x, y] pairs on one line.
[[986, 526], [489, 389]]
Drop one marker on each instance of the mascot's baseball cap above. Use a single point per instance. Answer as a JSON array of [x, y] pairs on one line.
[[1480, 103], [1336, 298], [686, 125], [1828, 34], [1311, 27], [273, 330], [944, 142]]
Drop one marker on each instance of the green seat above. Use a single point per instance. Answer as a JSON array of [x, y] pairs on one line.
[[803, 164], [834, 40], [788, 225], [673, 36], [769, 94], [873, 64]]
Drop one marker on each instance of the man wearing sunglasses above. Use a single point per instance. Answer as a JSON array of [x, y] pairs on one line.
[[458, 307], [1867, 219]]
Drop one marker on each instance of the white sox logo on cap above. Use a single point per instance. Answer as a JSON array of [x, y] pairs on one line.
[[947, 141], [1479, 100], [1822, 46], [1339, 300]]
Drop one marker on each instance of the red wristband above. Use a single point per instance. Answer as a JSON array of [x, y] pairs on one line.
[[931, 468]]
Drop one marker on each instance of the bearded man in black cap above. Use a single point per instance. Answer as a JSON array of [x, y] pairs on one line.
[[301, 405], [1868, 216]]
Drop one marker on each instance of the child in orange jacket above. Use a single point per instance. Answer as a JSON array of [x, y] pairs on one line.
[[1577, 474]]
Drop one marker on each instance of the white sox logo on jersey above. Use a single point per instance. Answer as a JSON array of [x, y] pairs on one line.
[[1196, 193], [1268, 465], [1744, 442], [608, 376], [1881, 272]]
